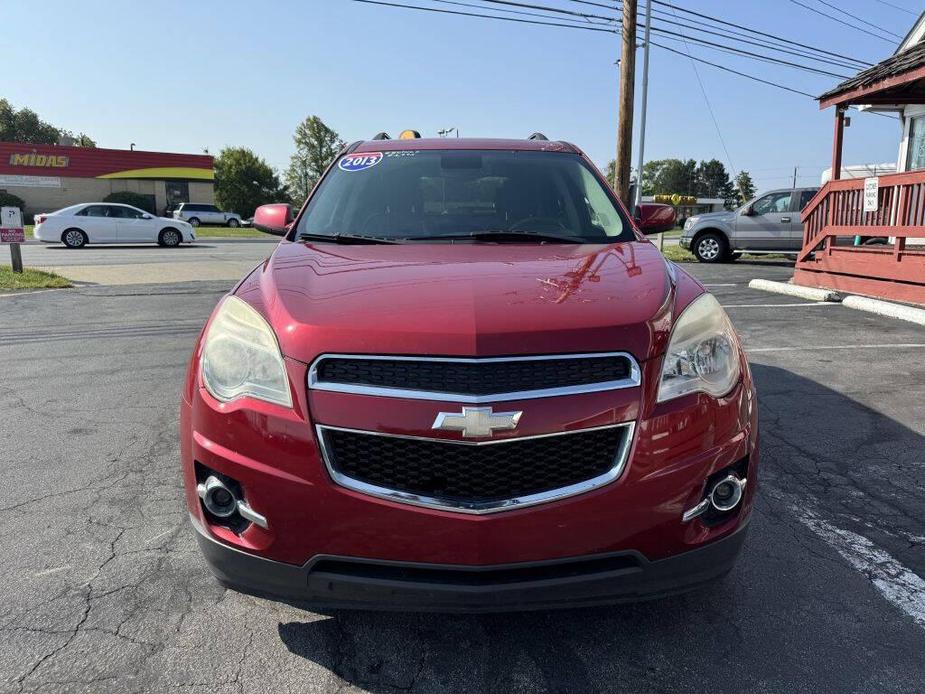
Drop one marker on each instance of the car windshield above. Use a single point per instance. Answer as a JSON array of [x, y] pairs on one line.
[[465, 194]]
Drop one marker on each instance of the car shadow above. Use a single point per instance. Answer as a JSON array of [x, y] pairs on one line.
[[127, 246], [782, 620]]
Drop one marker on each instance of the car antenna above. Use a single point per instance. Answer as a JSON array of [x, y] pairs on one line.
[[382, 136], [538, 136]]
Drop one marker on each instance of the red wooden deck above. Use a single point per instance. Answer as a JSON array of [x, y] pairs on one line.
[[894, 270]]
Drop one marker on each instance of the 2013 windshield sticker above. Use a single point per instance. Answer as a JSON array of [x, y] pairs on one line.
[[360, 161]]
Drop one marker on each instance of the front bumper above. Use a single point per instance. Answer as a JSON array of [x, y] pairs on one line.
[[272, 452], [327, 582]]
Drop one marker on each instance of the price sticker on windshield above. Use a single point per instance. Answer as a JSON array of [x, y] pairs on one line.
[[360, 161]]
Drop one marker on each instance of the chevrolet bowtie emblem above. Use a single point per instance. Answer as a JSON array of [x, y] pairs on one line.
[[476, 421]]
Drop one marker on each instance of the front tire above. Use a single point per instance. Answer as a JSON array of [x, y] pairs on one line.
[[169, 238], [74, 238], [233, 223], [711, 247]]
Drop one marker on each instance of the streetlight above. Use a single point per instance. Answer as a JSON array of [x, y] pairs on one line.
[[131, 147]]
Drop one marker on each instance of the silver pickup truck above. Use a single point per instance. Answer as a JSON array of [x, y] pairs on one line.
[[768, 224]]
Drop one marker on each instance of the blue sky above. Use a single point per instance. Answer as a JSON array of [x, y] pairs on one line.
[[183, 76]]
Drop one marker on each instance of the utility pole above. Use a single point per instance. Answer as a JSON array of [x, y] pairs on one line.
[[642, 116], [621, 177], [795, 176]]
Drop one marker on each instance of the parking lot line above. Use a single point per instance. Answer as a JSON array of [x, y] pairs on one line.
[[808, 303], [895, 345], [899, 585]]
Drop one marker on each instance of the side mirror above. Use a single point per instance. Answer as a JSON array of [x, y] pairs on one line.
[[747, 211], [655, 218], [146, 216], [273, 219]]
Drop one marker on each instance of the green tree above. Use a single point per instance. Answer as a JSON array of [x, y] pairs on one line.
[[316, 145], [24, 125], [713, 182], [744, 187], [244, 181], [669, 176], [128, 197]]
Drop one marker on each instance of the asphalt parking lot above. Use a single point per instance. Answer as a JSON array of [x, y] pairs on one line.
[[222, 260], [105, 590]]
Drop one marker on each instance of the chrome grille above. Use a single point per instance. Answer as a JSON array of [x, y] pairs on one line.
[[474, 380]]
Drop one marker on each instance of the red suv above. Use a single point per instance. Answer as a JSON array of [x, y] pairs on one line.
[[465, 381]]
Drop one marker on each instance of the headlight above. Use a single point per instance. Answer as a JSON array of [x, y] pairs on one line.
[[703, 352], [241, 356]]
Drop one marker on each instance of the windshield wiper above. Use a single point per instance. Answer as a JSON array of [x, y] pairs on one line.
[[504, 235], [345, 239]]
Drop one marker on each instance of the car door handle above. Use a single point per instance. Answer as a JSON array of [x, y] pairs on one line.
[[784, 220]]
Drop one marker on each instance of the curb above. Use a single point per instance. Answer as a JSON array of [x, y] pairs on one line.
[[885, 308], [810, 293]]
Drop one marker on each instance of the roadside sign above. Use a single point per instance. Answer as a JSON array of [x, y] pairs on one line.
[[11, 232], [871, 187]]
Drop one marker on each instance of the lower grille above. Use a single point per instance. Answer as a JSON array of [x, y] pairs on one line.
[[476, 576], [475, 477]]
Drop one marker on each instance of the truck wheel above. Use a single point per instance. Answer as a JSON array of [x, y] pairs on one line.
[[233, 223], [711, 247]]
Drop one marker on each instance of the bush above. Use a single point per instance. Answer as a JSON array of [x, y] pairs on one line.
[[10, 200], [127, 197]]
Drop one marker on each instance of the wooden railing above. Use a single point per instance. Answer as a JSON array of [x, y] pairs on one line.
[[837, 232]]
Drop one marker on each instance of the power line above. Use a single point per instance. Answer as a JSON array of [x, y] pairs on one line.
[[897, 7], [590, 28], [841, 62], [841, 21], [612, 19], [735, 72], [484, 16], [750, 54], [754, 31], [779, 39], [519, 12], [858, 19], [666, 32], [719, 132]]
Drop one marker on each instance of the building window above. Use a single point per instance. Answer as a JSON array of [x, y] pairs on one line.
[[177, 192], [915, 158]]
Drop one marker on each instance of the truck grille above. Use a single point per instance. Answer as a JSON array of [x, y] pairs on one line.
[[474, 380], [475, 477]]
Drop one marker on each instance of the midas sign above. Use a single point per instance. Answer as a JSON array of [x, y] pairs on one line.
[[33, 159]]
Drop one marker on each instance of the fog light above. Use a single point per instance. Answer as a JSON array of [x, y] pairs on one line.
[[217, 498], [723, 497], [727, 493]]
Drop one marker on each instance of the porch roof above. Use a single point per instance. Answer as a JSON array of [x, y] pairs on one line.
[[900, 79]]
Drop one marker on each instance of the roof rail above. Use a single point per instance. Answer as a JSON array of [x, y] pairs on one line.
[[538, 136], [382, 136]]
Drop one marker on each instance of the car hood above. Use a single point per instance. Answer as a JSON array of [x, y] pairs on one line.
[[464, 299], [715, 216]]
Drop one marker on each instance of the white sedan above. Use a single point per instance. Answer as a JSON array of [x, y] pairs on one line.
[[109, 222]]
